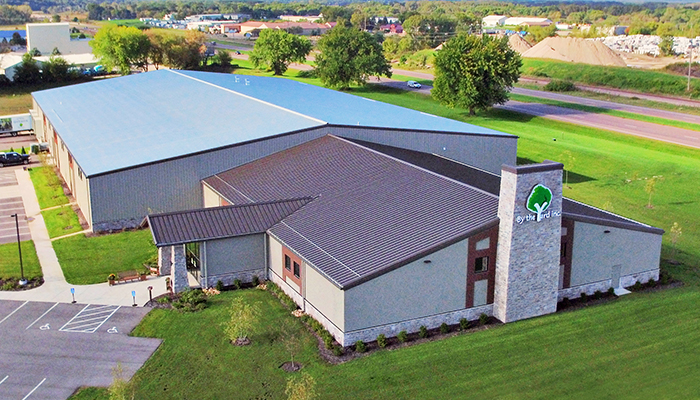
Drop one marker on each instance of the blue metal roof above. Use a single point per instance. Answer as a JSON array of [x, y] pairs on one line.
[[123, 122], [335, 107]]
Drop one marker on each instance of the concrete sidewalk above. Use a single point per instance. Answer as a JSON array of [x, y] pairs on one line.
[[55, 287]]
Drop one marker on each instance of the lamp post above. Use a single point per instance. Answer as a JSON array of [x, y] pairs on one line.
[[22, 280]]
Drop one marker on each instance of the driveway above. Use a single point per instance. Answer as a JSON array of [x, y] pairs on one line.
[[49, 350]]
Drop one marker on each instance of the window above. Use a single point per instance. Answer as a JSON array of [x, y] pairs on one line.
[[287, 263], [481, 264], [296, 269]]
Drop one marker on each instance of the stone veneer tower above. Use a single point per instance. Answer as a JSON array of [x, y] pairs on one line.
[[527, 261]]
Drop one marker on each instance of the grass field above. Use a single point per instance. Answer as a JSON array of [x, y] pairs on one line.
[[9, 260], [645, 81], [640, 346], [61, 221], [48, 187], [88, 260], [18, 99]]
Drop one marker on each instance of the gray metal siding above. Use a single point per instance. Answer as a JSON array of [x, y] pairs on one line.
[[175, 185], [596, 252], [413, 291], [243, 253], [481, 151]]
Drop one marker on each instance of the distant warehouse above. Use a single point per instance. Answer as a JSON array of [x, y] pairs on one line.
[[139, 144]]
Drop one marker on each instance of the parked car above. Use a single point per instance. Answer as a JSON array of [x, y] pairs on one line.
[[13, 158], [414, 84]]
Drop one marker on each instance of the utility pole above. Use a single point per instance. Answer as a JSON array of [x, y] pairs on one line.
[[690, 62]]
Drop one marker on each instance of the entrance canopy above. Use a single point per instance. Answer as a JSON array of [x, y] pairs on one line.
[[183, 227]]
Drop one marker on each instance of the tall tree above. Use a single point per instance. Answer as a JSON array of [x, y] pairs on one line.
[[28, 71], [349, 56], [475, 72], [121, 47], [276, 49]]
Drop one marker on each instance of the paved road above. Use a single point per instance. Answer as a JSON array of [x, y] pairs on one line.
[[669, 134], [48, 350]]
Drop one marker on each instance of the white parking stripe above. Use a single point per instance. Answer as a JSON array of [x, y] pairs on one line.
[[42, 316], [16, 309], [79, 323], [4, 379], [35, 388]]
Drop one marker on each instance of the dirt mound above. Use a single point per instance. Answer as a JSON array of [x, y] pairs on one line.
[[517, 43], [576, 50]]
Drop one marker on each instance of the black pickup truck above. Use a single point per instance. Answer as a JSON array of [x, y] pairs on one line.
[[13, 158]]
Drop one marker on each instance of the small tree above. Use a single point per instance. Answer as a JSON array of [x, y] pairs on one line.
[[224, 58], [650, 188], [55, 52], [55, 18], [569, 160], [475, 72], [242, 321], [302, 387], [349, 56], [291, 340], [28, 71], [277, 49], [675, 234], [18, 40], [666, 46], [120, 388]]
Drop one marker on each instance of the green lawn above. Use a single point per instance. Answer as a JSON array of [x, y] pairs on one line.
[[9, 261], [599, 110], [640, 346], [88, 260], [61, 221], [48, 187]]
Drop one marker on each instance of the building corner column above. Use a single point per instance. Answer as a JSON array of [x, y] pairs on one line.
[[529, 241], [164, 260], [178, 273]]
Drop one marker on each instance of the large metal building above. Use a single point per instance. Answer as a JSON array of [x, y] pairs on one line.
[[130, 146]]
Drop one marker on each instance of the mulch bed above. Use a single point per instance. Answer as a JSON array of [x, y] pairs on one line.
[[31, 284], [291, 367]]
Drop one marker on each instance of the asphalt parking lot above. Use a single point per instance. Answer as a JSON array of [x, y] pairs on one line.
[[49, 350]]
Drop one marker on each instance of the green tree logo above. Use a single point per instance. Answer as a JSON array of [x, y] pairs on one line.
[[539, 200]]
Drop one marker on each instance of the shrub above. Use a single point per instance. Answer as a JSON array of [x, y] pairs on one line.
[[444, 328], [463, 324], [651, 283], [483, 319], [337, 350], [360, 346], [9, 285], [584, 297], [423, 331], [565, 302], [402, 337], [163, 300], [611, 291], [237, 283], [556, 85], [664, 278], [256, 280], [637, 285], [191, 300], [219, 285], [328, 341], [381, 341], [598, 294], [24, 151]]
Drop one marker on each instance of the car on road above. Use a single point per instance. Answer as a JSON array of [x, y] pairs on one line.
[[414, 84], [13, 158]]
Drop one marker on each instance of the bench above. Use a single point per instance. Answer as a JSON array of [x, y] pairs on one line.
[[128, 276]]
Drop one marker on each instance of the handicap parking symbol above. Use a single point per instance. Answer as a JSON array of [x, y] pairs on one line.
[[112, 330], [45, 327]]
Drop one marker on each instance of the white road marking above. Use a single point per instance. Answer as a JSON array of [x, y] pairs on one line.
[[4, 379], [89, 320], [16, 309], [691, 137], [45, 327], [112, 330], [35, 388], [42, 316]]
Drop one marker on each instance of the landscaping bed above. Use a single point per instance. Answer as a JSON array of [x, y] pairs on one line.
[[48, 187]]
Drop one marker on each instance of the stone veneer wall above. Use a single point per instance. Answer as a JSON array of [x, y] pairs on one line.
[[165, 260], [527, 261], [118, 225], [411, 326], [604, 285], [178, 275], [228, 278]]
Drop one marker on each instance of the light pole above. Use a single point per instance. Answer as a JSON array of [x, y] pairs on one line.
[[22, 280], [690, 62]]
